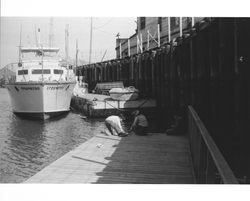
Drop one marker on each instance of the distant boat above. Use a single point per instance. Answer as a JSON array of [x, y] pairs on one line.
[[43, 85]]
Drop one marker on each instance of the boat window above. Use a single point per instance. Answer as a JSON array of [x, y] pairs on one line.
[[23, 72], [56, 71], [39, 71]]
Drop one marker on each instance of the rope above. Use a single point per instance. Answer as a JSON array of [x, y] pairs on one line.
[[143, 103], [114, 106]]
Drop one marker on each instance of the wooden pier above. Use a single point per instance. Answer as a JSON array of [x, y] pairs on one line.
[[153, 159]]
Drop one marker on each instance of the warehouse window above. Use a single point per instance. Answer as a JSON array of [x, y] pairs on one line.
[[142, 22]]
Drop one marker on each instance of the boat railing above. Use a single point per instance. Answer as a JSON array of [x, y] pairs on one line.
[[210, 167]]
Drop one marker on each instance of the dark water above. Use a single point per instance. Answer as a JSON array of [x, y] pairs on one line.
[[27, 146]]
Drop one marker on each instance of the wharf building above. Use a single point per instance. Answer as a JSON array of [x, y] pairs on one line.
[[153, 32]]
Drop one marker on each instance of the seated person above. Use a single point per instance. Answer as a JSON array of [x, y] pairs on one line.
[[113, 123], [140, 124]]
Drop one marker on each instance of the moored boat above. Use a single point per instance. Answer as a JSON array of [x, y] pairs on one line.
[[43, 86]]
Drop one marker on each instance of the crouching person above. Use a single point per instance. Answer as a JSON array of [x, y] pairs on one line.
[[113, 124], [140, 124]]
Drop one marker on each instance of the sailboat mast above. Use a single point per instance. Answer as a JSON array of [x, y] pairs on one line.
[[90, 45]]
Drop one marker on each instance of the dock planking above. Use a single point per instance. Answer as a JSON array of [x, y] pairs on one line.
[[153, 159]]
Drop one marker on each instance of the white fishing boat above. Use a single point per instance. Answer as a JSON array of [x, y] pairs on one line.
[[43, 86]]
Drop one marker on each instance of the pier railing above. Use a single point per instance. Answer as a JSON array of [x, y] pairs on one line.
[[210, 166]]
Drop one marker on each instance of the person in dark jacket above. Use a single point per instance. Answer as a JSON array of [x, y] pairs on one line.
[[140, 124]]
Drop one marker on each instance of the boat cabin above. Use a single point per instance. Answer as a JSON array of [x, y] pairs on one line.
[[40, 64]]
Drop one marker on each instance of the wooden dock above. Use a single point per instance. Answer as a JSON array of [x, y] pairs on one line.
[[153, 159]]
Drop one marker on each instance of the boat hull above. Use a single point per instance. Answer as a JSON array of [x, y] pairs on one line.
[[40, 100]]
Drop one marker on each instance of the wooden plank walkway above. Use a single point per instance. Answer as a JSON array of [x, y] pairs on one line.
[[153, 159]]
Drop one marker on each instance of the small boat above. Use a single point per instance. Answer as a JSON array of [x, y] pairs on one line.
[[43, 86], [124, 94]]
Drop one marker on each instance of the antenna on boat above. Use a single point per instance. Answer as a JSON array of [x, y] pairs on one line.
[[20, 45], [90, 44], [39, 37]]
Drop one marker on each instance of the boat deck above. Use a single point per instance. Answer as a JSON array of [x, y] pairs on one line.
[[153, 159]]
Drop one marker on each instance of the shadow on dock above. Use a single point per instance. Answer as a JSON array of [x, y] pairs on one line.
[[153, 159]]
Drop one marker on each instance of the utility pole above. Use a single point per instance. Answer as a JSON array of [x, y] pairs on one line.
[[90, 43]]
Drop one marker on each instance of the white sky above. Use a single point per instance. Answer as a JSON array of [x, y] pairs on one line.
[[104, 32]]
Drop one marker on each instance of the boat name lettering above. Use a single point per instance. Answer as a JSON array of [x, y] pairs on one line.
[[55, 88], [30, 88]]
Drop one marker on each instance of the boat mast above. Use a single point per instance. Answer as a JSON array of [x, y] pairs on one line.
[[36, 36], [42, 62], [39, 38], [51, 35], [20, 45], [40, 46], [76, 52], [67, 45], [90, 45]]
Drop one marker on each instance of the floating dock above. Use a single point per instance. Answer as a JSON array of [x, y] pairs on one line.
[[153, 159], [96, 105]]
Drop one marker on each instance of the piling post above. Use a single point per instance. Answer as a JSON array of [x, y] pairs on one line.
[[169, 30], [180, 26], [153, 73], [129, 47], [159, 35]]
